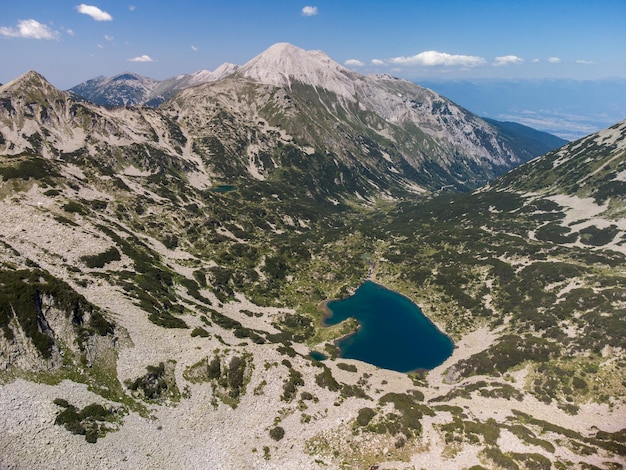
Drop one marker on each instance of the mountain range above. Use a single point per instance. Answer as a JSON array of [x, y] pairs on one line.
[[163, 272], [131, 89], [360, 133]]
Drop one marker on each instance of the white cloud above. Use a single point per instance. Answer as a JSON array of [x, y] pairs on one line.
[[354, 63], [70, 32], [536, 61], [141, 58], [194, 48], [554, 60], [378, 62], [108, 38], [29, 29], [507, 60], [132, 7], [95, 12], [309, 11], [585, 62], [435, 58]]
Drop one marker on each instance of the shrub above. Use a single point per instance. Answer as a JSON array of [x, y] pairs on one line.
[[579, 383], [236, 369], [277, 433], [346, 367], [100, 324], [595, 236], [99, 260], [85, 422], [153, 385], [35, 168], [62, 403], [325, 379], [291, 385], [365, 416], [199, 331], [214, 368], [73, 207]]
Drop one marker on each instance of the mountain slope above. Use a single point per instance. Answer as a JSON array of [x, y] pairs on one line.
[[535, 142], [404, 135], [592, 166], [371, 137], [167, 88], [570, 109], [213, 301], [126, 89], [425, 140]]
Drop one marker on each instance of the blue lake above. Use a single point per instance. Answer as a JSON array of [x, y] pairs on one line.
[[394, 333]]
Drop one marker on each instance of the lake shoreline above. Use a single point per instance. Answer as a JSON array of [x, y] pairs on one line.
[[415, 339]]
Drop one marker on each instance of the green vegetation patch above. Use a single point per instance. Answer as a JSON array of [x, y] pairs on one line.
[[509, 352], [613, 443], [295, 380], [408, 422], [158, 384], [199, 331], [346, 367], [595, 236], [101, 259], [484, 389], [473, 432], [93, 421], [555, 233], [151, 283], [29, 168], [277, 433], [229, 376]]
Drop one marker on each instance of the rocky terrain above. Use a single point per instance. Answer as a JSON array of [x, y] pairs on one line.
[[131, 89], [162, 270]]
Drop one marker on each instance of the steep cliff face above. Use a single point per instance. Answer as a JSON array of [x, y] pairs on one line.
[[46, 324]]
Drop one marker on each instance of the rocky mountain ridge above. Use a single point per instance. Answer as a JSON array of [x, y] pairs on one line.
[[131, 89], [363, 133], [411, 127]]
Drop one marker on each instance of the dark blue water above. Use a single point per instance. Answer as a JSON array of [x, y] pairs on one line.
[[394, 333]]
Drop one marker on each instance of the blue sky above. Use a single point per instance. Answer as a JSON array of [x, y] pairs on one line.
[[69, 42]]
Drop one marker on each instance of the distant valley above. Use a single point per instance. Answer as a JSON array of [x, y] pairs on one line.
[[569, 109]]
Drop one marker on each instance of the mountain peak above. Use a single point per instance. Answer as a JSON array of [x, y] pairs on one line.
[[29, 79], [127, 76], [124, 89], [283, 63], [225, 69]]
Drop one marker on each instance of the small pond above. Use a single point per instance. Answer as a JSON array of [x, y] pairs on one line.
[[223, 188]]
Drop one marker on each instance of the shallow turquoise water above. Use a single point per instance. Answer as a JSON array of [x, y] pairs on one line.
[[394, 333], [318, 356], [222, 188]]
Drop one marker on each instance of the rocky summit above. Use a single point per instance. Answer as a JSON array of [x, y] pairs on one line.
[[164, 272]]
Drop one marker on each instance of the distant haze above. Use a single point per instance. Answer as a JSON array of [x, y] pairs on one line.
[[568, 108]]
